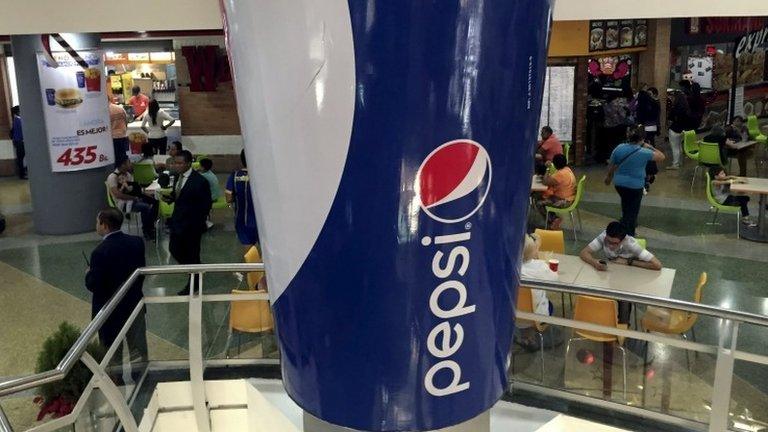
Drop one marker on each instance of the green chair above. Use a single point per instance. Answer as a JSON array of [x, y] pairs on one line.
[[111, 203], [567, 151], [642, 242], [144, 174], [709, 155], [691, 145], [196, 166], [720, 208], [753, 126], [572, 208], [220, 203]]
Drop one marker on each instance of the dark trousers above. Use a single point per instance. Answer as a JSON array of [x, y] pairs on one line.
[[20, 153], [120, 145], [630, 207], [625, 311], [159, 144], [147, 208], [185, 247], [739, 200]]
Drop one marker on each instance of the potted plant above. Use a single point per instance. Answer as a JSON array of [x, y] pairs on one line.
[[59, 398]]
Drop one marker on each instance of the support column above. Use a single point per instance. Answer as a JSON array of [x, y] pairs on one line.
[[654, 64], [481, 423], [63, 203]]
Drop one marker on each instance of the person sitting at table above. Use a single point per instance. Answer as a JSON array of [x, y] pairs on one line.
[[619, 248], [147, 156], [129, 197], [721, 190], [725, 139], [561, 190], [534, 268], [549, 146]]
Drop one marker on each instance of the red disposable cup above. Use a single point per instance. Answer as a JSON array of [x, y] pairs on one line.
[[554, 265]]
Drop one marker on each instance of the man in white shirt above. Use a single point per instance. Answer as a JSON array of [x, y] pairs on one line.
[[618, 248]]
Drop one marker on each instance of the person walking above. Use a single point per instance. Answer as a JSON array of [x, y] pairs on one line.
[[680, 119], [649, 113], [17, 137], [112, 263], [154, 126], [118, 121], [238, 193], [192, 202], [626, 170]]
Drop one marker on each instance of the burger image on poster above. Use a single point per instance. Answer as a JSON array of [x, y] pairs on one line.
[[68, 98]]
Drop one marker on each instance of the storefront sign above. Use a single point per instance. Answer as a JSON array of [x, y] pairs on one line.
[[613, 35], [752, 42], [713, 26], [76, 112]]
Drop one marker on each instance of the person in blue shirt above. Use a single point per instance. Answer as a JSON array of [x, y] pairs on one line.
[[17, 137], [238, 193], [626, 169]]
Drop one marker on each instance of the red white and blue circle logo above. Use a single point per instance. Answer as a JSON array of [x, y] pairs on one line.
[[454, 180]]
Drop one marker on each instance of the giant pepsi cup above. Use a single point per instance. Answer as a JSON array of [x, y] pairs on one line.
[[390, 144]]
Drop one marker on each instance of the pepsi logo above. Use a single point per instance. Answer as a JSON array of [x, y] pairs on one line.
[[453, 181]]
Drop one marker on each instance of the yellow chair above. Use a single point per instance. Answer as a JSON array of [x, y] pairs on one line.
[[551, 241], [604, 312], [525, 304], [675, 322], [248, 316], [251, 257], [554, 241]]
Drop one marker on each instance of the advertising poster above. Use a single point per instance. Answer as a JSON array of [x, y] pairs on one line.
[[76, 112], [627, 34]]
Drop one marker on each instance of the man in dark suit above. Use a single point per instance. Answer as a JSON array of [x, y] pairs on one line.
[[192, 202], [112, 263]]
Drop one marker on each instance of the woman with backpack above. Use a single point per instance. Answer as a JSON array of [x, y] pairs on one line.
[[627, 172]]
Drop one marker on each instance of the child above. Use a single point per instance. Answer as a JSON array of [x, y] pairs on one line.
[[534, 268], [721, 190]]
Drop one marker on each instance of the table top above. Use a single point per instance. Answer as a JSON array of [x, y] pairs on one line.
[[563, 423], [753, 185], [618, 277], [568, 270], [742, 145], [537, 185]]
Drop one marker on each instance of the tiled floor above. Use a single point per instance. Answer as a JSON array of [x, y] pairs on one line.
[[41, 284]]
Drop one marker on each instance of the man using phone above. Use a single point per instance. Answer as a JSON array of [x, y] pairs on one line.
[[619, 248]]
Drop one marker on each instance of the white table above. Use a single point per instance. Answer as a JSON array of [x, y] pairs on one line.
[[537, 185], [635, 280], [618, 277], [563, 423], [741, 145], [754, 186]]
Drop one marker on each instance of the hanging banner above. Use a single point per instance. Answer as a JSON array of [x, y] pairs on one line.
[[76, 112]]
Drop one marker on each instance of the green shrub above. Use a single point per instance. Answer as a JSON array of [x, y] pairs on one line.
[[54, 349]]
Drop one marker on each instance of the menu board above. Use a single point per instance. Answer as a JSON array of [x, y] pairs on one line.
[[76, 111], [615, 34], [558, 102]]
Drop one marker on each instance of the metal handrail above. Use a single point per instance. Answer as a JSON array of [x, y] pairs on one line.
[[78, 349], [697, 308]]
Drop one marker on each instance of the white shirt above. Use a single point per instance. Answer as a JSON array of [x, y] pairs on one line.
[[156, 130], [538, 269], [113, 181], [183, 180], [628, 249]]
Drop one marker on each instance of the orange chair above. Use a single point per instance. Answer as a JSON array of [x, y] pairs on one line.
[[251, 257], [525, 304], [248, 316], [551, 241], [554, 241], [604, 312], [675, 322]]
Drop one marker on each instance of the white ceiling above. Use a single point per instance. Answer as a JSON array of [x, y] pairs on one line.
[[48, 16]]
